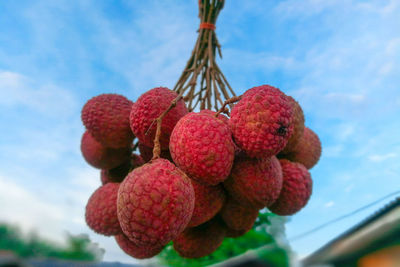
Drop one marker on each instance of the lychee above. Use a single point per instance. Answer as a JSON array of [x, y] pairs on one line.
[[220, 116], [155, 203], [202, 146], [298, 125], [200, 241], [237, 216], [116, 174], [255, 182], [261, 121], [235, 233], [138, 252], [147, 153], [296, 189], [208, 202], [136, 160], [149, 107], [101, 210], [100, 156], [106, 117], [307, 151]]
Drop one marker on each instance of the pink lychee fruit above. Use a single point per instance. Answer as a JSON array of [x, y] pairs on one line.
[[149, 107], [138, 252], [106, 117], [155, 203], [202, 146], [117, 174], [296, 189], [101, 210], [236, 233], [298, 126], [100, 156], [261, 121], [212, 113], [200, 241], [307, 151], [237, 216], [208, 202], [255, 182]]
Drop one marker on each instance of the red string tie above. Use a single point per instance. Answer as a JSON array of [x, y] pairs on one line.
[[206, 25]]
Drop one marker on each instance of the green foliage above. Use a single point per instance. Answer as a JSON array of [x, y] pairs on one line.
[[231, 247], [77, 247]]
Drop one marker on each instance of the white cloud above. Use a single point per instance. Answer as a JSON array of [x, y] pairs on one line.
[[329, 204], [18, 90], [24, 208], [381, 157]]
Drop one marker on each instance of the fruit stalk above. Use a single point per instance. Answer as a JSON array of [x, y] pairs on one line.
[[214, 88], [157, 146]]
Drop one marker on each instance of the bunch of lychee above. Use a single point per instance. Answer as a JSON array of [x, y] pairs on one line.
[[213, 174]]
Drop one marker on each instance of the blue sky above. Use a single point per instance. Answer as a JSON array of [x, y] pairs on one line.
[[339, 58]]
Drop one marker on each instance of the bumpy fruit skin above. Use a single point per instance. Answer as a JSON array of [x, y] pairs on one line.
[[237, 216], [148, 107], [255, 182], [261, 121], [138, 252], [147, 153], [101, 210], [200, 241], [235, 233], [298, 125], [102, 157], [118, 174], [155, 203], [222, 117], [202, 146], [208, 202], [307, 151], [106, 117], [296, 190]]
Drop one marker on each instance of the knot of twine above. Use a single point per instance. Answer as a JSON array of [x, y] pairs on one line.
[[206, 25]]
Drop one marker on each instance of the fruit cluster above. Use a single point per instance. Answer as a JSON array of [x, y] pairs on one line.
[[213, 174]]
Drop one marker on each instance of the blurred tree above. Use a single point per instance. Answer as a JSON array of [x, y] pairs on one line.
[[78, 247], [267, 230]]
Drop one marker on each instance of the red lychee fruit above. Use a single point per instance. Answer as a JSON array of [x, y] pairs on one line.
[[255, 182], [147, 153], [298, 125], [136, 161], [221, 116], [296, 189], [237, 216], [155, 203], [100, 156], [261, 121], [307, 151], [106, 117], [149, 107], [117, 174], [200, 241], [235, 233], [208, 202], [202, 146], [101, 210], [138, 252]]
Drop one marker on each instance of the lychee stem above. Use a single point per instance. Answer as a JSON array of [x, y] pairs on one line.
[[201, 67], [227, 102], [157, 146]]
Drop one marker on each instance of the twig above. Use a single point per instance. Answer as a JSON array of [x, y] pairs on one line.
[[157, 146]]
